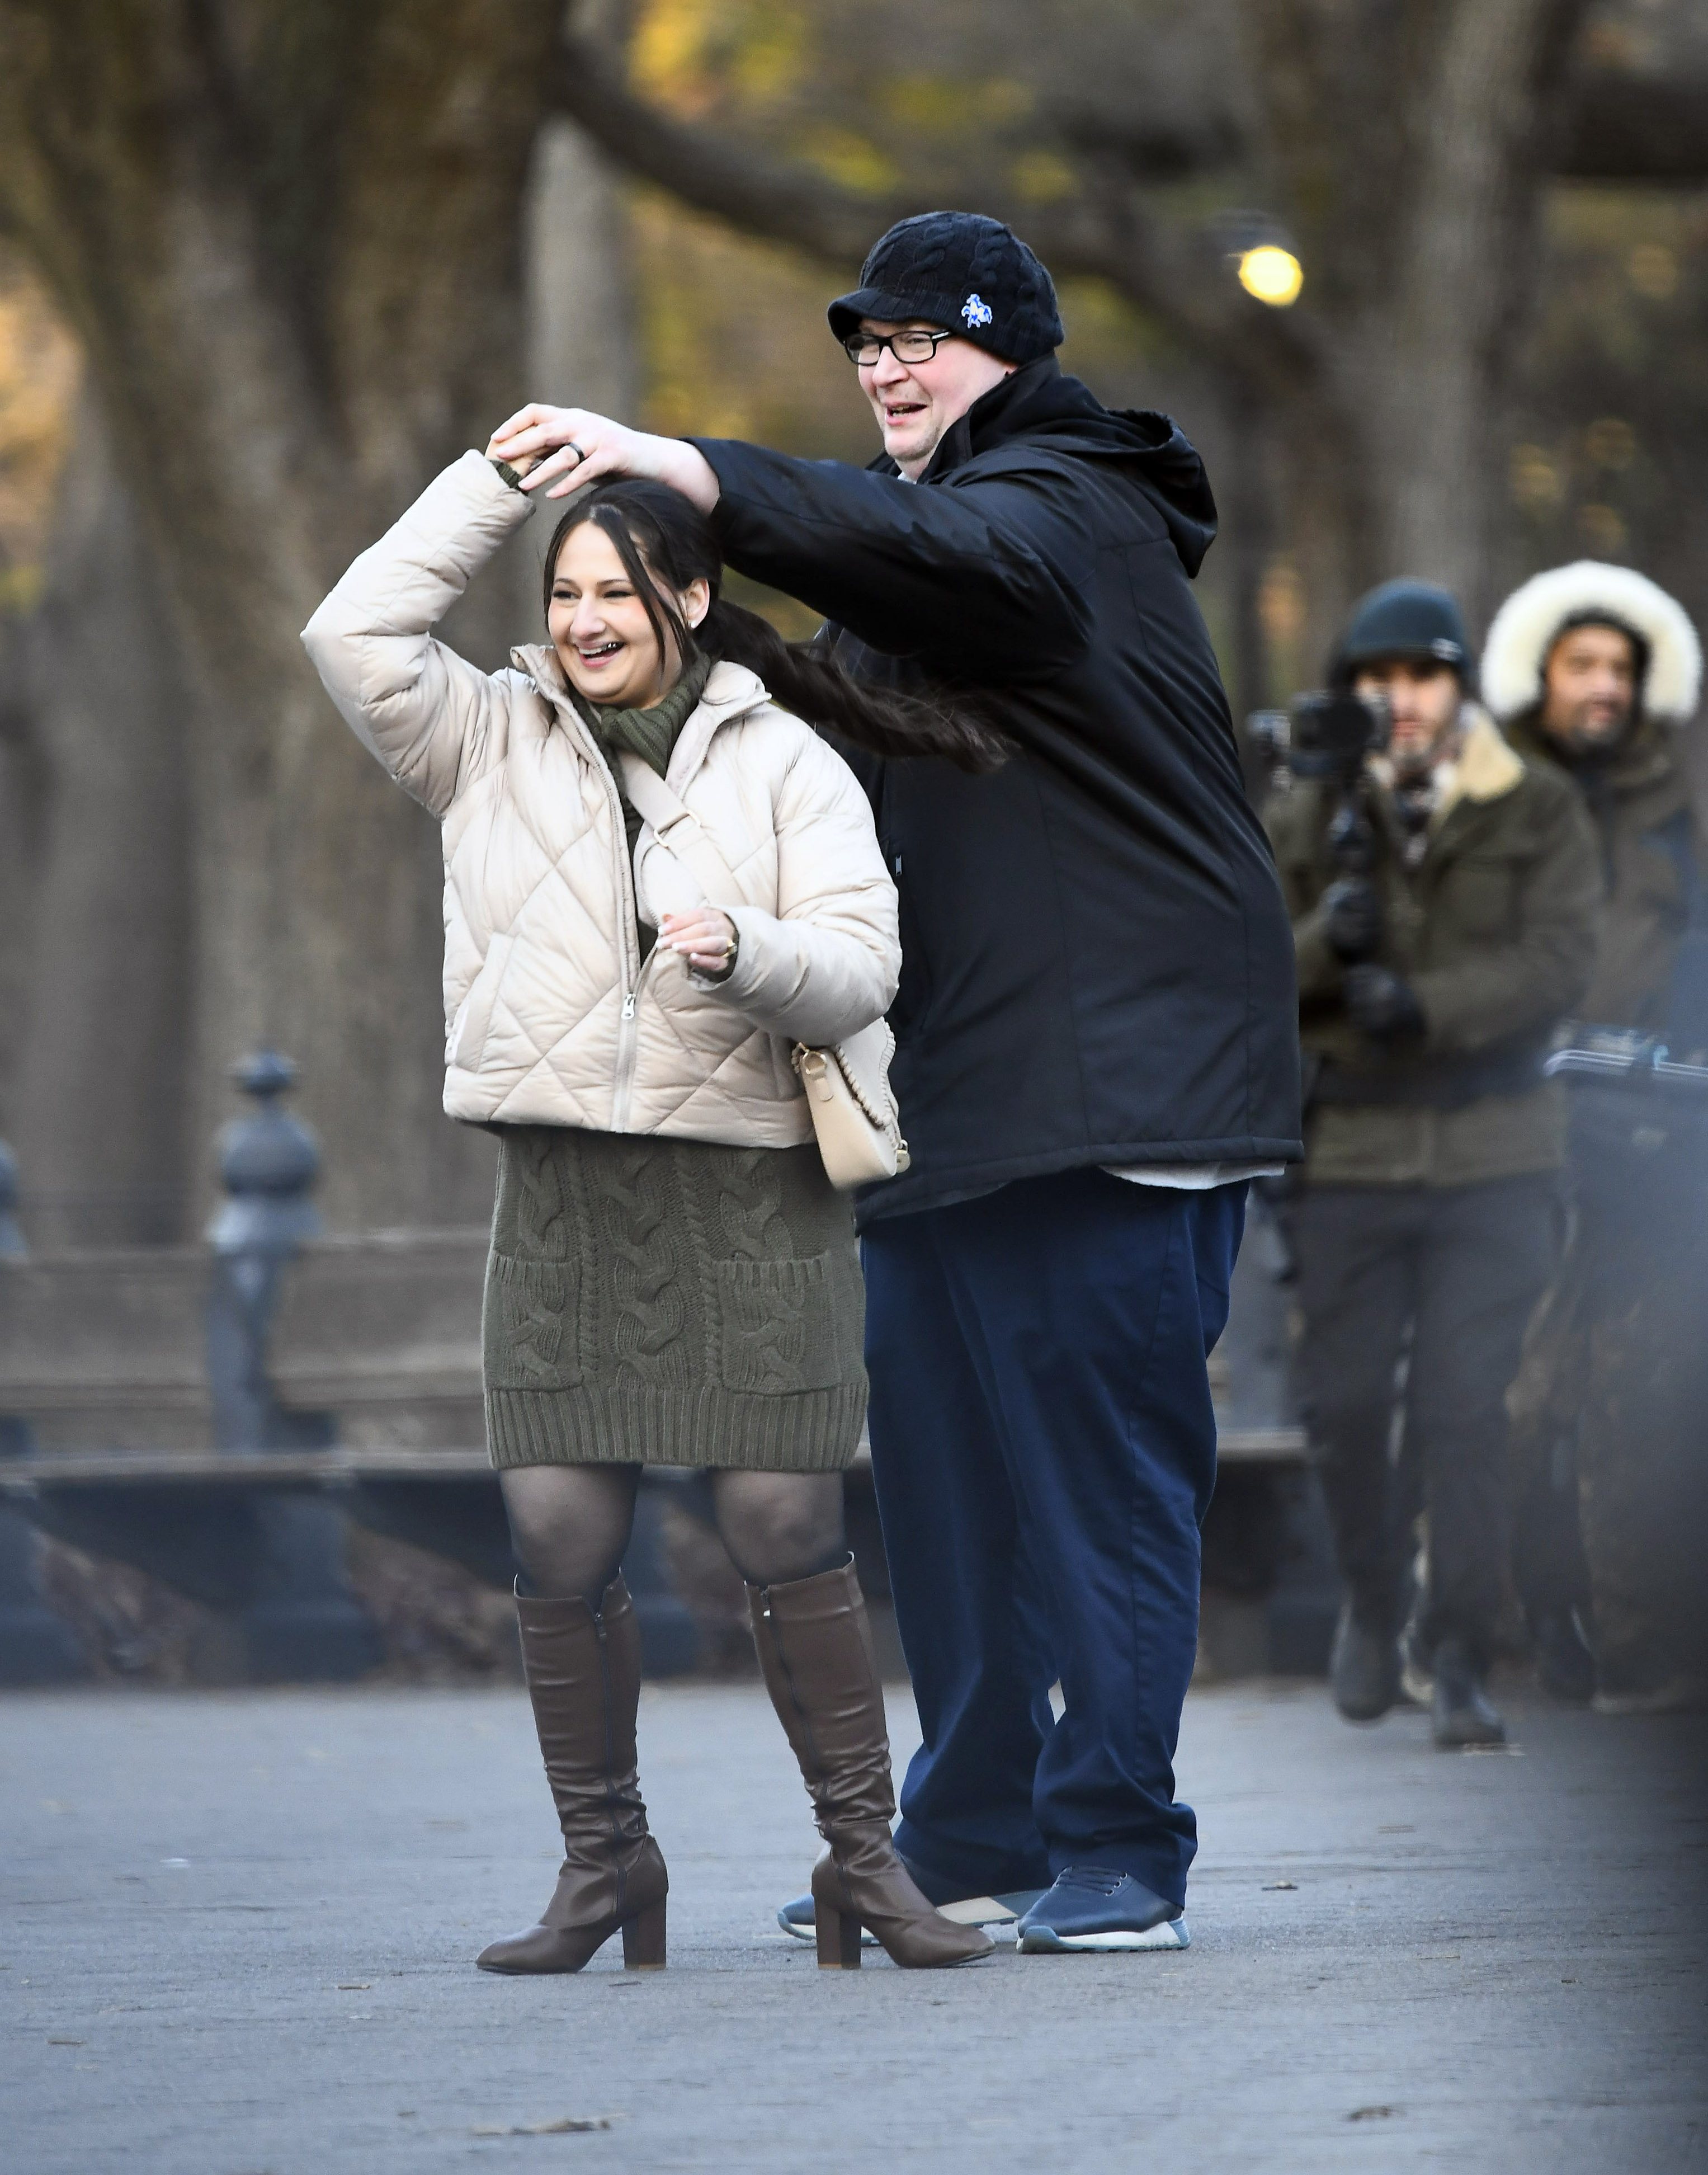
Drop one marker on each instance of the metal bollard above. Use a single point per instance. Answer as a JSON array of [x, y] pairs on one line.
[[11, 1245], [268, 1164], [303, 1620], [36, 1646]]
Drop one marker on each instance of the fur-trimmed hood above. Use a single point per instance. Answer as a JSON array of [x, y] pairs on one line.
[[1528, 625]]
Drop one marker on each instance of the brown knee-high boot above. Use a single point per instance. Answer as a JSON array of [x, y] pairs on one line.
[[816, 1650], [584, 1679]]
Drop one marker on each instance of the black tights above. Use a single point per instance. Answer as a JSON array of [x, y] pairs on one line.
[[570, 1524]]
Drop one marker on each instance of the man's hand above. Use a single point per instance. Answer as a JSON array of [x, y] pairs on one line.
[[1381, 1004], [705, 940], [1352, 918], [565, 448]]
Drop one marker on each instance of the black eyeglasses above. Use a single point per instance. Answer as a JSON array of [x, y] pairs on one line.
[[915, 344]]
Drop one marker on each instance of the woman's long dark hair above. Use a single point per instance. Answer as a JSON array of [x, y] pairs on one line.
[[665, 543]]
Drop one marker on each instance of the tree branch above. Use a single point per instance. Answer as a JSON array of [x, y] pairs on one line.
[[1632, 129], [770, 198], [1105, 232]]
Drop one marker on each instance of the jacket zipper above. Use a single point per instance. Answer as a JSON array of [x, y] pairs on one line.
[[628, 1052], [633, 967]]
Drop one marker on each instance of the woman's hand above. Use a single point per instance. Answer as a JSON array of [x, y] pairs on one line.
[[568, 447], [705, 939], [521, 464]]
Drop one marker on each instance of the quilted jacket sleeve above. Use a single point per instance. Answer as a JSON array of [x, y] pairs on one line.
[[431, 717], [828, 964]]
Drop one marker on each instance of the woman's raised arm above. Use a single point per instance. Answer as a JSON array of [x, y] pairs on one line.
[[426, 713]]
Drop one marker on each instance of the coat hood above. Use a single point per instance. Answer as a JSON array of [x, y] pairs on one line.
[[1531, 620], [1051, 412]]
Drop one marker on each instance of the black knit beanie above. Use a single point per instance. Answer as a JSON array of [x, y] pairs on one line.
[[1404, 619], [958, 269]]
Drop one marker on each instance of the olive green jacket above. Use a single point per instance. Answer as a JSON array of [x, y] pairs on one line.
[[1494, 931], [1652, 842]]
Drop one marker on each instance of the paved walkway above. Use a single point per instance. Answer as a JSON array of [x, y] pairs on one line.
[[237, 1934]]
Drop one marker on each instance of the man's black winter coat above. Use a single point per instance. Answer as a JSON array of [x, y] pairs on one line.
[[1097, 967]]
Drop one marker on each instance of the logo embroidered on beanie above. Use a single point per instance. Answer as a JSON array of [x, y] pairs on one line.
[[975, 311]]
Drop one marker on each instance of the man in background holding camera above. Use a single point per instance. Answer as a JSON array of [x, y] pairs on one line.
[[1443, 898]]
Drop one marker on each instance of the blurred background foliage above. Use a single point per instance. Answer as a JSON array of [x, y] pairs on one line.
[[1609, 437], [1607, 443], [40, 374], [411, 216]]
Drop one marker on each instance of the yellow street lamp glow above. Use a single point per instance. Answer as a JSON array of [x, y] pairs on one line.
[[1274, 275]]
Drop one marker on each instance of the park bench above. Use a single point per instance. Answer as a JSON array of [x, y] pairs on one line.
[[211, 1414]]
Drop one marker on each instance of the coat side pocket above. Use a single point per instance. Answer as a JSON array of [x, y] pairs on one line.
[[467, 1041], [529, 1325], [776, 1333]]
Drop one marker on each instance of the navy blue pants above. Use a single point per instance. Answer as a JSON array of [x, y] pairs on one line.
[[1043, 1448]]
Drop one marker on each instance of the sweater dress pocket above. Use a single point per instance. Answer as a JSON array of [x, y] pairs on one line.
[[777, 1330], [529, 1325]]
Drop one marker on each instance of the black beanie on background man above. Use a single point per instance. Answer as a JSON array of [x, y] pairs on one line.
[[959, 269], [1409, 619]]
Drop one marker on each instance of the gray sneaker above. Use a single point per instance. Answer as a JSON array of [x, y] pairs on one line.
[[1095, 1907]]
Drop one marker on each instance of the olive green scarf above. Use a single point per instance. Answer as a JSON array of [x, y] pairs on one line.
[[651, 735]]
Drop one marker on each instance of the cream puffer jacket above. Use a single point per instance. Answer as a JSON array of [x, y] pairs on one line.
[[550, 1016]]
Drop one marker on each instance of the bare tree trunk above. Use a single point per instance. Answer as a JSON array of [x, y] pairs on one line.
[[1409, 146], [580, 341], [100, 1029], [1435, 365], [22, 795], [288, 237], [581, 328]]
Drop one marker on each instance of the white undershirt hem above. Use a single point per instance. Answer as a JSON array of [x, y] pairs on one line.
[[1192, 1177]]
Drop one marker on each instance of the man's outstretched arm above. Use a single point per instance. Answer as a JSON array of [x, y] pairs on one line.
[[984, 579], [988, 578]]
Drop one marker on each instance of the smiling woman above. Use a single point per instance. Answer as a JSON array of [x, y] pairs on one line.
[[672, 1279]]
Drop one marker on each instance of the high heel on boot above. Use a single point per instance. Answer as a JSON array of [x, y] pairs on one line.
[[838, 1937], [549, 1947], [583, 1669], [643, 1939], [816, 1651]]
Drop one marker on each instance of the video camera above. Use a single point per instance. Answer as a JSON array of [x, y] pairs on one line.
[[1328, 735], [1324, 734]]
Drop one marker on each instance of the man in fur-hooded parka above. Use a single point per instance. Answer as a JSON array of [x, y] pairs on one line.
[[1595, 673], [1592, 672]]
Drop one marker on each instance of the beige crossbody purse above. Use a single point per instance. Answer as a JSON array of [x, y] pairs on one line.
[[854, 1109]]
